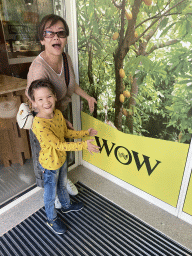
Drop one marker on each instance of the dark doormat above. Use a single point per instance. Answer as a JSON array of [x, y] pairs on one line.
[[101, 228]]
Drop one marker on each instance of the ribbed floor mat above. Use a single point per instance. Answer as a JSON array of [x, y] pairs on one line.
[[101, 228]]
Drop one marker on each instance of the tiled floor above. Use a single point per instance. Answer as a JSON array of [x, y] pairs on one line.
[[166, 223]]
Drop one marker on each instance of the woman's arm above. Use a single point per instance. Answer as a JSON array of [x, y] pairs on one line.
[[83, 94]]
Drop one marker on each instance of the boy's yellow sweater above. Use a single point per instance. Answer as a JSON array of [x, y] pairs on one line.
[[50, 134]]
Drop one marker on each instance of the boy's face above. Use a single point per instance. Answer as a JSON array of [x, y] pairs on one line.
[[44, 102]]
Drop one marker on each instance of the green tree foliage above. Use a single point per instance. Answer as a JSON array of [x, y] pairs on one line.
[[95, 62], [156, 61]]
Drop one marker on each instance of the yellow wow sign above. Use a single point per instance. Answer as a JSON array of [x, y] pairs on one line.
[[152, 165]]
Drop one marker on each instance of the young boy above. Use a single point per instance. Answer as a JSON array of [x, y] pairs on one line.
[[50, 128]]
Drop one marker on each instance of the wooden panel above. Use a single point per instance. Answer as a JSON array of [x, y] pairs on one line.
[[14, 142], [9, 84]]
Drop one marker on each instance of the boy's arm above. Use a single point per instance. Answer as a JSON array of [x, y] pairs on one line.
[[47, 139], [72, 134]]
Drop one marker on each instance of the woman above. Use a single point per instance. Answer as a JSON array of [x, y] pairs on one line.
[[53, 32]]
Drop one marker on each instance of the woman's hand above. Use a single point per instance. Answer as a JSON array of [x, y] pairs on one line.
[[69, 125], [91, 101], [92, 132], [92, 148]]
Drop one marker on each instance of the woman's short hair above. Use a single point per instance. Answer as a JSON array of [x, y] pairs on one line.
[[40, 83], [53, 19]]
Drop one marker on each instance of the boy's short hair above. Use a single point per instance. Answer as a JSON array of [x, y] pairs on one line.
[[53, 19], [40, 83]]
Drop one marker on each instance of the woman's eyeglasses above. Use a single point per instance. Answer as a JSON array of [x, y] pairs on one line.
[[51, 34]]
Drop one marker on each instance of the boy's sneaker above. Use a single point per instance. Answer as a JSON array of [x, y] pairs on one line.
[[71, 188], [57, 203], [74, 207], [57, 226]]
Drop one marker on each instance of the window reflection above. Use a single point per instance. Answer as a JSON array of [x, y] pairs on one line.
[[20, 19]]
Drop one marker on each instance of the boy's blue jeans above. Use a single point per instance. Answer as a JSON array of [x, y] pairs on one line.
[[55, 182]]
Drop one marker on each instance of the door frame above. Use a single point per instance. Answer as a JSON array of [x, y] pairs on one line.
[[71, 19]]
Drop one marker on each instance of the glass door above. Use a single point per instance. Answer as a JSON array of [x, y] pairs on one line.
[[19, 45]]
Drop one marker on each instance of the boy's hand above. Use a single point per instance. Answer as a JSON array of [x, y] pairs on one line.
[[92, 148], [92, 132]]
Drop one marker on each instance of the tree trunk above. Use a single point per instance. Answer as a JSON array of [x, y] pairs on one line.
[[119, 90], [94, 95], [132, 103], [92, 92]]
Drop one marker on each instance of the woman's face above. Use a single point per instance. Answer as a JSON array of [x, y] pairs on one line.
[[54, 45]]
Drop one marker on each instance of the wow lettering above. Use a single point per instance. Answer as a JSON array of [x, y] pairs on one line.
[[125, 157]]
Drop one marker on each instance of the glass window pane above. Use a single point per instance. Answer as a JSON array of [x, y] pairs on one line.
[[20, 19]]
